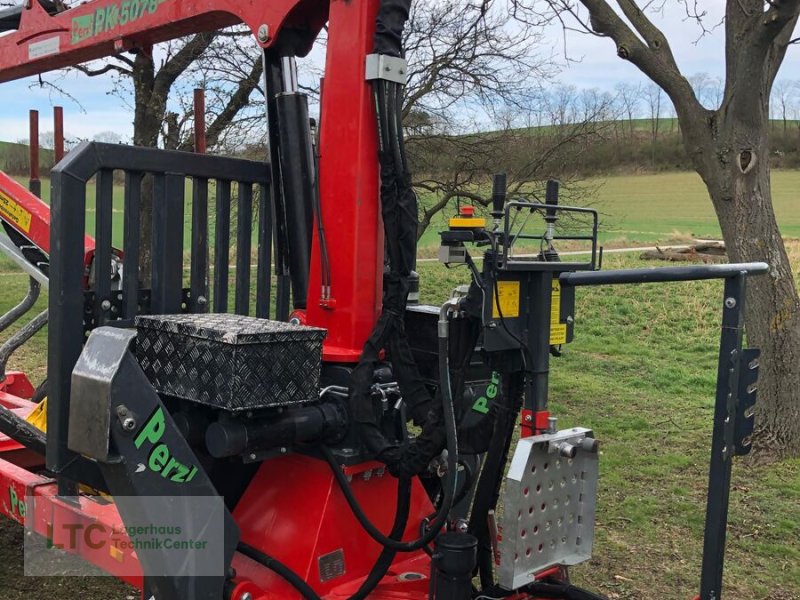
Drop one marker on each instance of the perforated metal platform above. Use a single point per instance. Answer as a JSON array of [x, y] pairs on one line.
[[548, 506]]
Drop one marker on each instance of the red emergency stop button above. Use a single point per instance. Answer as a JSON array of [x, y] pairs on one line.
[[467, 211]]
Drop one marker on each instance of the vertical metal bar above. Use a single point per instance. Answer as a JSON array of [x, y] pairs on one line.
[[540, 296], [199, 273], [35, 184], [131, 242], [264, 273], [200, 121], [104, 212], [65, 334], [58, 135], [244, 244], [222, 244], [168, 199], [723, 443]]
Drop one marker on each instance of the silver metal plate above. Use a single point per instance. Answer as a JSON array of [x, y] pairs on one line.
[[548, 507], [389, 68]]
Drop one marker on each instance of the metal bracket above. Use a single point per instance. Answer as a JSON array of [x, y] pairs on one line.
[[389, 68], [748, 390]]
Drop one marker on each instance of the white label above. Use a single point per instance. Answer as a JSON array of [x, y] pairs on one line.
[[44, 48]]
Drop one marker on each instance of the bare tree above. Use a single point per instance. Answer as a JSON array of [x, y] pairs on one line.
[[655, 100], [630, 98], [454, 167], [729, 148], [783, 94], [708, 89], [477, 66]]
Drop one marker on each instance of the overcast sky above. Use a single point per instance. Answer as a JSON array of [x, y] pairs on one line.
[[592, 64]]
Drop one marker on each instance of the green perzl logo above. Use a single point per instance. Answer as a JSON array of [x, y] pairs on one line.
[[160, 459], [482, 404], [110, 17], [16, 504]]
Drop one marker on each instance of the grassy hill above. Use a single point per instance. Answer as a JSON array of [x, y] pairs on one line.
[[14, 158]]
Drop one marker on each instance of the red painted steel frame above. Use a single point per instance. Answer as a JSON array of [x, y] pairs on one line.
[[349, 187], [31, 216], [106, 27], [348, 138]]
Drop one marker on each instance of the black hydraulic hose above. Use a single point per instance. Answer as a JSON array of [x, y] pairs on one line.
[[379, 570], [387, 555], [280, 569], [449, 484], [395, 128], [21, 431], [486, 494], [401, 140]]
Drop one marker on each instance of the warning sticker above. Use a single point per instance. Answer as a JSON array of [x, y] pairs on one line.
[[558, 334], [13, 212], [508, 293], [558, 330], [555, 303]]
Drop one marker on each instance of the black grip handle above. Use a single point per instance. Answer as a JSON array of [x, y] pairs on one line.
[[499, 194], [551, 196]]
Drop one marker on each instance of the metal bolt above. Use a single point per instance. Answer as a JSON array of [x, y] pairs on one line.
[[129, 424], [730, 302], [528, 418], [570, 320], [263, 33], [284, 450], [106, 304], [725, 453], [253, 456], [202, 300], [247, 596], [122, 410], [367, 475]]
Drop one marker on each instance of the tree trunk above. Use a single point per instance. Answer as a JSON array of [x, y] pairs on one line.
[[738, 179]]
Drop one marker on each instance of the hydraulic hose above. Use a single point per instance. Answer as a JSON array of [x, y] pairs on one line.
[[387, 555], [378, 571], [449, 484], [280, 569]]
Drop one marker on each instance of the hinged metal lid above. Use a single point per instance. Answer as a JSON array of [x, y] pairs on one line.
[[230, 329]]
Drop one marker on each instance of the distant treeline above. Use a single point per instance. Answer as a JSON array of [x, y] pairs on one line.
[[641, 145]]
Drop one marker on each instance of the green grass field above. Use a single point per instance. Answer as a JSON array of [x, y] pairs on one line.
[[641, 373], [635, 209]]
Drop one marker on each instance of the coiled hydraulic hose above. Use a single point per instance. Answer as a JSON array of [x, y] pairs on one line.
[[449, 484]]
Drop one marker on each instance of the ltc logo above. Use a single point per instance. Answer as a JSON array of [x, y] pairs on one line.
[[160, 460]]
